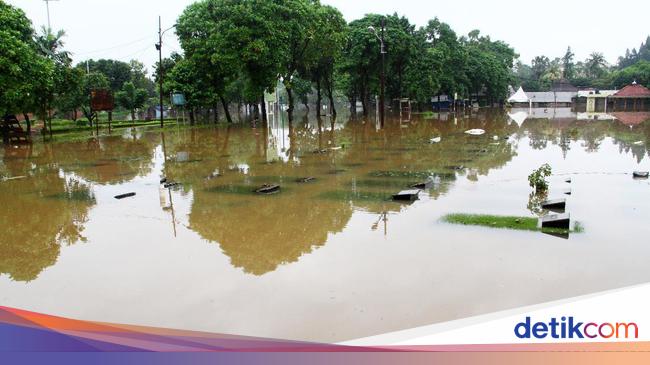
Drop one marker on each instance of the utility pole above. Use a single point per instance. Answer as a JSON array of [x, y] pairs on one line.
[[160, 71], [47, 5], [382, 88], [383, 72]]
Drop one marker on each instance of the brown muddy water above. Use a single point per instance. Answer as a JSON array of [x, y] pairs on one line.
[[328, 260]]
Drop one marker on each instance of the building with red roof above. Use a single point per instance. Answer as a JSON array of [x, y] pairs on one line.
[[634, 96]]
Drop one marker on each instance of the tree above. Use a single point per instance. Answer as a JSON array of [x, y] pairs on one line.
[[596, 65], [198, 31], [540, 65], [568, 68], [131, 98], [639, 72], [25, 75], [116, 72], [328, 44], [296, 25]]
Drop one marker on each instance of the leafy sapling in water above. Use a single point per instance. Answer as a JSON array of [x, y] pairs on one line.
[[537, 179]]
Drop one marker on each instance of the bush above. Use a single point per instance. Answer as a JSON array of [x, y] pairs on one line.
[[537, 179]]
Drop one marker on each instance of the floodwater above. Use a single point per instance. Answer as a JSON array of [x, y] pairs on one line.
[[328, 260]]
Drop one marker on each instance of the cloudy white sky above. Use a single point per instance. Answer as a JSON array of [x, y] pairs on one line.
[[127, 29]]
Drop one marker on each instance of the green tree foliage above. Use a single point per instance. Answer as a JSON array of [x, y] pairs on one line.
[[131, 98], [328, 45], [198, 31], [568, 67], [116, 72], [25, 75], [639, 72], [634, 56]]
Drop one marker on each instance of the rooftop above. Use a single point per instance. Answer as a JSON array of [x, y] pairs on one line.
[[633, 91]]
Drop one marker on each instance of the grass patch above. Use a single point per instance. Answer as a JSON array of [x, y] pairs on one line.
[[505, 222]]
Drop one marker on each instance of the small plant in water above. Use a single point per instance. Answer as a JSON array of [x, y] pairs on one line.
[[537, 179]]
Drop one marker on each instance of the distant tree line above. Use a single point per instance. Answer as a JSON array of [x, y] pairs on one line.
[[37, 76], [236, 50], [594, 72]]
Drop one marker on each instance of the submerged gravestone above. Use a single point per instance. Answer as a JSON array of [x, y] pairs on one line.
[[554, 204], [561, 221], [407, 195]]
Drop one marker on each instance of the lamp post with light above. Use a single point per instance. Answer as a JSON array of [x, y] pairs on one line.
[[380, 37], [160, 67]]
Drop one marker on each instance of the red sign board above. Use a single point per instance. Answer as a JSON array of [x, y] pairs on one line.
[[101, 99]]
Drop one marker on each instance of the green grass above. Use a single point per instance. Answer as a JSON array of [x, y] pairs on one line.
[[504, 222]]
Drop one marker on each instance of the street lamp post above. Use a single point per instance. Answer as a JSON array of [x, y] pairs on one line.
[[160, 68], [47, 5], [382, 88]]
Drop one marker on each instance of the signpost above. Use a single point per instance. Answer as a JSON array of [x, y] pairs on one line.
[[102, 100]]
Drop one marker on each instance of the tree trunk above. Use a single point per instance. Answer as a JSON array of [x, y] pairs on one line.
[[364, 103], [225, 109], [216, 113], [290, 97], [263, 108], [256, 111], [318, 97], [330, 95], [191, 116], [133, 116], [29, 124]]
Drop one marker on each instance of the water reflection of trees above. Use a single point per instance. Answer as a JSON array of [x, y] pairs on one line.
[[261, 233], [108, 160], [633, 139], [40, 213]]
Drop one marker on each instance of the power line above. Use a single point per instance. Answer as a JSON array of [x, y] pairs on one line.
[[117, 46]]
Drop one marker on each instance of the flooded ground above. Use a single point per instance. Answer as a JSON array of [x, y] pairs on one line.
[[331, 259]]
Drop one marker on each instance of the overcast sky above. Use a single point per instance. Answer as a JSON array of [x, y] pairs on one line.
[[127, 29]]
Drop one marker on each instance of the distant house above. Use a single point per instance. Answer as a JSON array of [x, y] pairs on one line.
[[442, 102], [594, 99], [562, 97], [633, 96], [552, 98]]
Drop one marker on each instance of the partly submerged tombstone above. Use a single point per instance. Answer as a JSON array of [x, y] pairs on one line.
[[182, 156], [267, 189], [554, 204], [421, 185], [561, 221], [407, 195], [306, 179], [122, 196], [475, 132]]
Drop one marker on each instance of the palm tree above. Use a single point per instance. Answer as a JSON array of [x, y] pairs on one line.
[[51, 46], [596, 65]]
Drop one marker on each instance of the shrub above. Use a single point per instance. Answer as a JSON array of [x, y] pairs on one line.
[[537, 179]]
